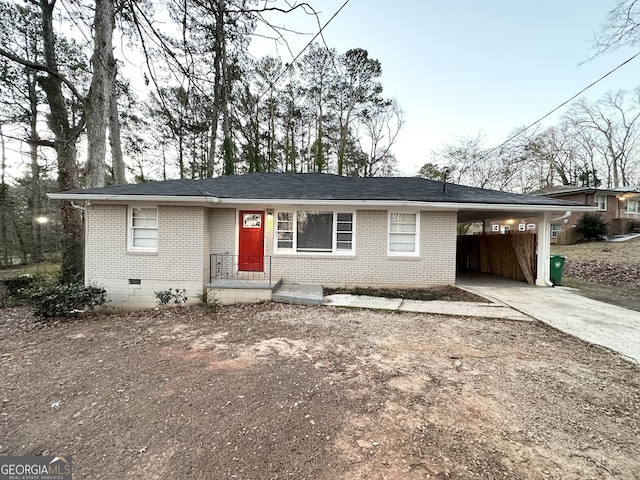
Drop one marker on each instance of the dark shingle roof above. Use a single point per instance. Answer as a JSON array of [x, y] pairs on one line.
[[315, 186]]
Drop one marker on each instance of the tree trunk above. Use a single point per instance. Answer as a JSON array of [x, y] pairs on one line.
[[3, 204], [309, 161], [227, 144], [215, 115], [272, 133], [344, 133], [614, 164], [37, 249], [255, 162], [164, 163], [217, 91], [65, 146], [119, 176], [98, 98]]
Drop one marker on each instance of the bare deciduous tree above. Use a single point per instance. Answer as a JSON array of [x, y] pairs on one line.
[[614, 120]]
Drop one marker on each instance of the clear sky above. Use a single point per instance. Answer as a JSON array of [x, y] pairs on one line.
[[464, 67]]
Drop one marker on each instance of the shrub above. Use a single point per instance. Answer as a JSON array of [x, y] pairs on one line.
[[210, 303], [66, 299], [178, 297], [18, 289], [591, 226]]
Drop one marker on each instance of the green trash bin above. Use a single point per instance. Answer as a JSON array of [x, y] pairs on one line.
[[557, 264]]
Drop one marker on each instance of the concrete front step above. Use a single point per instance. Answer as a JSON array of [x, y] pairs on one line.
[[299, 294]]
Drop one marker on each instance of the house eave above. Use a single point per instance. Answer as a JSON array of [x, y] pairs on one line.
[[273, 203], [435, 206], [83, 197]]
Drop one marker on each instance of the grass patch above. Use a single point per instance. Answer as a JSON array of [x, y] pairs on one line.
[[620, 296], [45, 269]]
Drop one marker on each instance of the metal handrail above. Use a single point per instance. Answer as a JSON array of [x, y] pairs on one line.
[[239, 267]]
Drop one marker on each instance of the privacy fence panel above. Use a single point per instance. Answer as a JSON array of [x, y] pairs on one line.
[[505, 255]]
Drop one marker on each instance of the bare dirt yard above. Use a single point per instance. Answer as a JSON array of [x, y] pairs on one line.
[[275, 391], [605, 271]]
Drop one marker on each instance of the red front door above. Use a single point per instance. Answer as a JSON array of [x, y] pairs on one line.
[[251, 241]]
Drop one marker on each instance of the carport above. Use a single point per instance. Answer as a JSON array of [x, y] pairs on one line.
[[517, 256]]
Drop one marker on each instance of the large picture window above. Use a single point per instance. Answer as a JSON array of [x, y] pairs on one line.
[[315, 232], [143, 228], [403, 233]]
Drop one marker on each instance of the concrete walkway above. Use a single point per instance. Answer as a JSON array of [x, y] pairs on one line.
[[300, 294], [595, 322], [466, 309]]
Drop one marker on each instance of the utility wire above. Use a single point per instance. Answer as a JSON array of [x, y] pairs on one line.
[[289, 65], [560, 106]]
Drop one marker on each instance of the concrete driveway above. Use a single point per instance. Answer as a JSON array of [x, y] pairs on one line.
[[596, 322]]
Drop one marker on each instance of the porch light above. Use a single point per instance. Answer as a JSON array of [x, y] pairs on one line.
[[42, 219]]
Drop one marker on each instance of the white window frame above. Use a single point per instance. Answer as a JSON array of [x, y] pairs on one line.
[[554, 232], [131, 229], [602, 205], [334, 233], [637, 206], [416, 251]]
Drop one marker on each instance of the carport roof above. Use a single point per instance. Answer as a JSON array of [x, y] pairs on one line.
[[313, 187]]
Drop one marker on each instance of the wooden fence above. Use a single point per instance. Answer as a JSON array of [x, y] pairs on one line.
[[505, 255]]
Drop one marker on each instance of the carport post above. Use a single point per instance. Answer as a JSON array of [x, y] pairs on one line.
[[543, 250]]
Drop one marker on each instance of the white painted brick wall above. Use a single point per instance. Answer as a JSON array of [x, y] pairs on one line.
[[222, 230], [372, 266], [188, 235], [181, 260]]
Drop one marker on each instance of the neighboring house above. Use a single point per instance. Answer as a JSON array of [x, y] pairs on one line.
[[300, 228], [618, 207]]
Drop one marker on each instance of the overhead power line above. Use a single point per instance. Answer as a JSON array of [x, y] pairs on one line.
[[561, 105], [272, 84]]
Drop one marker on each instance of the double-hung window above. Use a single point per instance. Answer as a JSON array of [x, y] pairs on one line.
[[632, 206], [403, 233], [600, 201], [315, 232], [143, 228]]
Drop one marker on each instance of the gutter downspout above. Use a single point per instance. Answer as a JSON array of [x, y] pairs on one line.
[[544, 248], [84, 228], [84, 209], [567, 214]]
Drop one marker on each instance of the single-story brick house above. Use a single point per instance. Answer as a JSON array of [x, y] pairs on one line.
[[619, 208], [299, 228]]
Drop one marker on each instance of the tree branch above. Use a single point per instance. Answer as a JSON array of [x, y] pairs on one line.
[[42, 68]]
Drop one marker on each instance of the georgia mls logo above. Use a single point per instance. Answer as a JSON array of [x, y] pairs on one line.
[[35, 468]]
